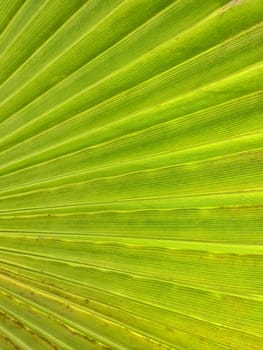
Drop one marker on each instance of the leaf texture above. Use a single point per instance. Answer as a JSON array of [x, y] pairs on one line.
[[131, 181]]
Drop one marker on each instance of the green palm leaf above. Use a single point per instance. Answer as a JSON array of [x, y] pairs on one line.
[[131, 137]]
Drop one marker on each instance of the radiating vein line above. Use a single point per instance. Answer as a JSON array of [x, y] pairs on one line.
[[131, 194], [77, 326], [108, 15], [8, 10], [75, 42], [42, 287], [138, 275], [74, 151], [240, 35], [162, 125], [58, 277], [43, 4]]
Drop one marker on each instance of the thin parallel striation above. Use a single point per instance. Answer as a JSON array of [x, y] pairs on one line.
[[175, 332], [78, 83], [173, 297], [17, 24], [95, 91], [217, 176], [59, 311], [22, 336], [228, 225], [143, 141], [131, 182], [164, 159], [75, 55], [14, 55], [207, 258], [201, 327], [8, 9]]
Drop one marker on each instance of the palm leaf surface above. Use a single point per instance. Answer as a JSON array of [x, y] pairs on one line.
[[131, 174]]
